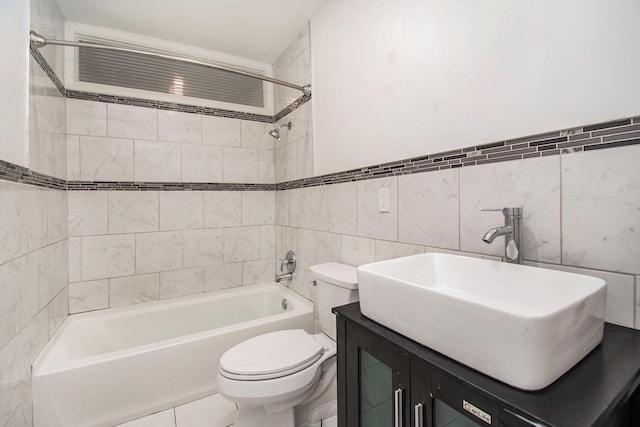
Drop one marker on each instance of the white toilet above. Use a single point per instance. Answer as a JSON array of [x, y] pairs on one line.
[[268, 375]]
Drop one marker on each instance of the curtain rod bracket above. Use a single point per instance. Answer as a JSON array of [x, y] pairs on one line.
[[36, 40]]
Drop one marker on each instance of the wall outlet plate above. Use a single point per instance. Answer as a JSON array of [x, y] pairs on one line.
[[383, 200]]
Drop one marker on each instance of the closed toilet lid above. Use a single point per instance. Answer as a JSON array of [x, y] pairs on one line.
[[271, 355]]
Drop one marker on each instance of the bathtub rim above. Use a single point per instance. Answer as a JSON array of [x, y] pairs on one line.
[[47, 366]]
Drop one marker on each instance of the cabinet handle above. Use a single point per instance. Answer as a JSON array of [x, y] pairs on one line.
[[419, 416], [398, 407]]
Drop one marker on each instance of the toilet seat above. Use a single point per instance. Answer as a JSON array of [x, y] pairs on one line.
[[283, 388], [269, 356]]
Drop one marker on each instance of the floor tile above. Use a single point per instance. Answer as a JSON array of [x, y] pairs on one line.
[[211, 411], [159, 419]]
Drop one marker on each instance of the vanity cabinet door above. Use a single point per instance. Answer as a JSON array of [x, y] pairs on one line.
[[377, 381], [421, 396], [455, 404]]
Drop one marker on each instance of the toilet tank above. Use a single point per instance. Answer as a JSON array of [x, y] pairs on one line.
[[337, 285]]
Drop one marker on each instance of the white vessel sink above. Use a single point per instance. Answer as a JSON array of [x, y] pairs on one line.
[[525, 326]]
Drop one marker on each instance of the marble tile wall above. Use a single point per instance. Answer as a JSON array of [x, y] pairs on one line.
[[127, 247], [112, 142], [47, 125], [33, 230], [582, 214], [161, 244], [294, 151], [33, 288]]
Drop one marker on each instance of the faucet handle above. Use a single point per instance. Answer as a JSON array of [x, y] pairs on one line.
[[289, 262], [505, 211]]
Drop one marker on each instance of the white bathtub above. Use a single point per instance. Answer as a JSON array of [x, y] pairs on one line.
[[110, 366]]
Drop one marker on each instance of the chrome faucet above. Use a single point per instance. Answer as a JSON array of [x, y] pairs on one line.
[[512, 232], [290, 263]]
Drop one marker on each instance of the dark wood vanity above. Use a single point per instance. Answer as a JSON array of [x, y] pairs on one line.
[[388, 380]]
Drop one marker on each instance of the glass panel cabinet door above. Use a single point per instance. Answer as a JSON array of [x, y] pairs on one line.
[[376, 392], [445, 416], [455, 404], [377, 381]]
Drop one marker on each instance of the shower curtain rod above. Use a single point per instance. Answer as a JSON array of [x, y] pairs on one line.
[[37, 41]]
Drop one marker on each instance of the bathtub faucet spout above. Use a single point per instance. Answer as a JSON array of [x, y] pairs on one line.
[[285, 276]]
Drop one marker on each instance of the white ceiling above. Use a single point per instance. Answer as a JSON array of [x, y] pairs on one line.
[[255, 29]]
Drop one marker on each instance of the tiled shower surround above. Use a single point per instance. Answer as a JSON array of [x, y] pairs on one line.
[[135, 246]]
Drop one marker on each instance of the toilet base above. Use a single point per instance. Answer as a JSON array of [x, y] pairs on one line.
[[252, 416]]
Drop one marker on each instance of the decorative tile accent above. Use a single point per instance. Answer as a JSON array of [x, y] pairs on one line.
[[22, 175], [168, 106], [295, 104], [48, 70], [593, 137], [164, 186], [618, 133]]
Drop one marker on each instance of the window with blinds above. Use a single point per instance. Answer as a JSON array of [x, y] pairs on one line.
[[136, 71]]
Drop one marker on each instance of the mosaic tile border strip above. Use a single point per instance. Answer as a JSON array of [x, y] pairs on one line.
[[291, 107], [164, 186], [618, 133], [170, 106], [22, 175], [37, 56], [599, 136], [161, 105]]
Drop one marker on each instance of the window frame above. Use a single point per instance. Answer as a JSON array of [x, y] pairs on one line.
[[74, 30]]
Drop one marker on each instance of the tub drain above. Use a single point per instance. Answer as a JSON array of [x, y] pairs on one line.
[[284, 303]]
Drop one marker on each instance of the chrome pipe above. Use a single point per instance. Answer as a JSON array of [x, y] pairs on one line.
[[37, 42]]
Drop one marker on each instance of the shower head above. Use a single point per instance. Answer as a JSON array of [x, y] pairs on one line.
[[276, 132]]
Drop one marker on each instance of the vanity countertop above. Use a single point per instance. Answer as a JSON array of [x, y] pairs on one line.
[[586, 395]]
